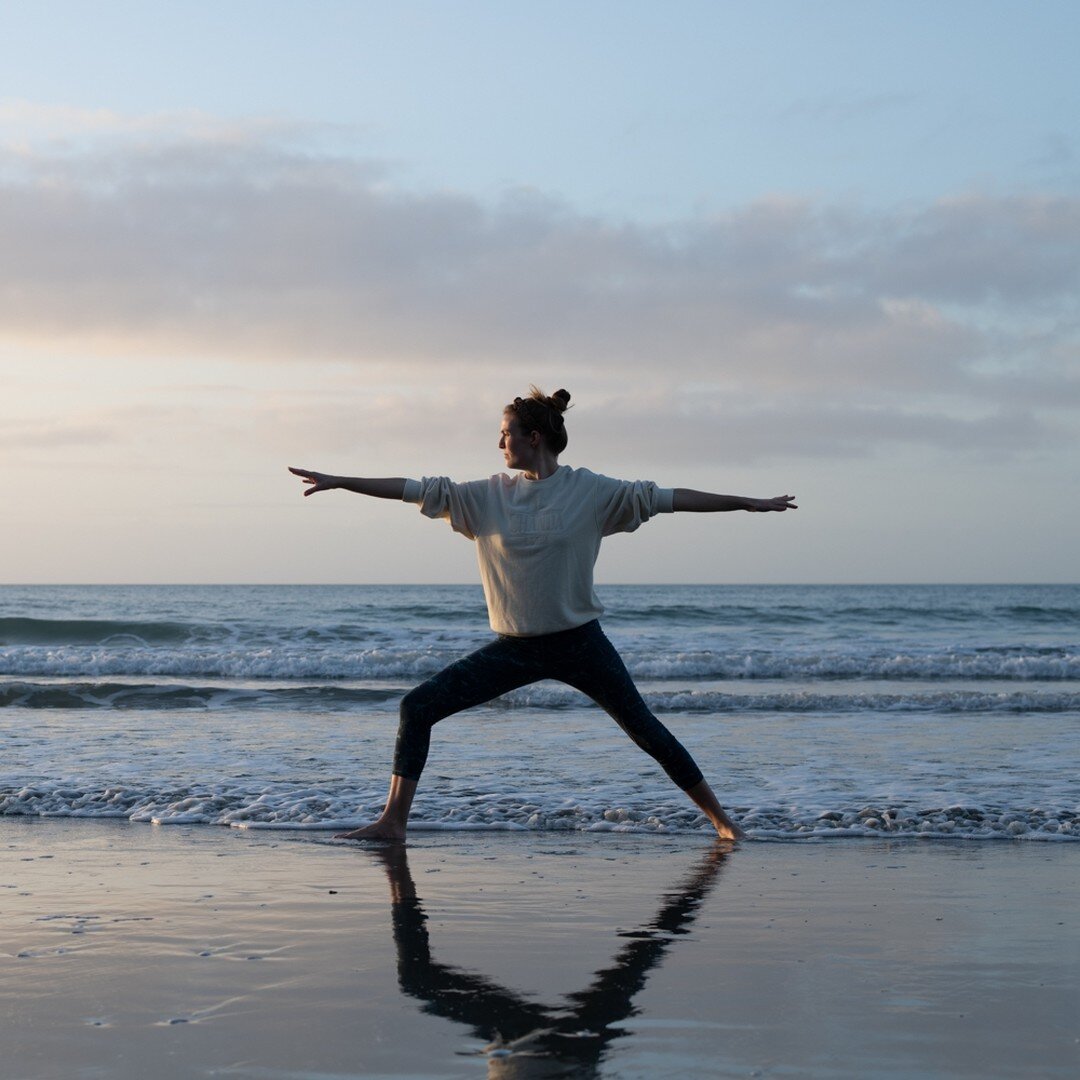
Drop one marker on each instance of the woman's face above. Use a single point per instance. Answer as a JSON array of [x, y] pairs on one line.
[[516, 445]]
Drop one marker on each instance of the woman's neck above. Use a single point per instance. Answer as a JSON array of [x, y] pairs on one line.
[[545, 466]]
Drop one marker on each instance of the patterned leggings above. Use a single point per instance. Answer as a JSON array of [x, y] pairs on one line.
[[582, 657]]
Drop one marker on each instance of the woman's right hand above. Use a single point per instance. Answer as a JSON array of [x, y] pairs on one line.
[[318, 481]]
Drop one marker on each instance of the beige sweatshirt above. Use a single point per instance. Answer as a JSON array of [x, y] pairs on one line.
[[537, 540]]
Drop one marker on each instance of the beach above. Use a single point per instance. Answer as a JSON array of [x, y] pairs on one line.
[[132, 950]]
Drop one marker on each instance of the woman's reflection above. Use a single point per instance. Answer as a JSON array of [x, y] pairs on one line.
[[531, 1040]]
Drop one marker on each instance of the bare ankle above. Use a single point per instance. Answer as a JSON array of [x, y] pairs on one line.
[[378, 830]]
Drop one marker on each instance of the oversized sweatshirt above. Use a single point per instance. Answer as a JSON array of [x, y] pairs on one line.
[[537, 540]]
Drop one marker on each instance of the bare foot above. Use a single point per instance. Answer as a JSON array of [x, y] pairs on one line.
[[703, 797], [375, 831], [730, 831], [726, 829]]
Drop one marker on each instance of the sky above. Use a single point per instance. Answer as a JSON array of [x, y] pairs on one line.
[[829, 248]]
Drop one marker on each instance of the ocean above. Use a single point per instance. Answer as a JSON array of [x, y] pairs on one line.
[[816, 712]]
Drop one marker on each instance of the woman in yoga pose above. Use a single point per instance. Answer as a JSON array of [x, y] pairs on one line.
[[537, 535]]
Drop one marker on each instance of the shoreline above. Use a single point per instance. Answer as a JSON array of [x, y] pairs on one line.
[[189, 951]]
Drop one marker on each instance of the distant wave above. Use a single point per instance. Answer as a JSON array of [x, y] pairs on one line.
[[378, 624], [801, 616], [911, 614], [726, 615], [25, 631]]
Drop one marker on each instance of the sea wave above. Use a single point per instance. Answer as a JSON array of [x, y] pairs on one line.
[[29, 631], [158, 634], [334, 697], [121, 658], [315, 808], [929, 614], [360, 625], [154, 696]]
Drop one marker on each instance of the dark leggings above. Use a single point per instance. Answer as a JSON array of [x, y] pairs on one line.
[[582, 657]]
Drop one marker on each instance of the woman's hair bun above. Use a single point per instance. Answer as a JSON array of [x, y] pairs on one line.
[[538, 412]]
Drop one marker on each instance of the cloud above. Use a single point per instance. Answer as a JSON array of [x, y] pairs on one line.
[[916, 323], [26, 124], [61, 434], [1011, 251], [738, 430]]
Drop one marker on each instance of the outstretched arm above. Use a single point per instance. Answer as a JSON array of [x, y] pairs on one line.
[[705, 502], [390, 487]]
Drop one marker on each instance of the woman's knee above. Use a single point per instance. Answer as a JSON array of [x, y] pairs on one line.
[[415, 710], [414, 735]]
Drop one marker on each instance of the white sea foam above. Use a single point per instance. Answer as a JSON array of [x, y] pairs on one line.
[[309, 809]]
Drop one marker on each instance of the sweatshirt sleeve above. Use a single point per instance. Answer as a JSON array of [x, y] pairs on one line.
[[463, 505], [624, 505]]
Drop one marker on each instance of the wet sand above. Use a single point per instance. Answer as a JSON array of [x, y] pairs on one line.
[[135, 951]]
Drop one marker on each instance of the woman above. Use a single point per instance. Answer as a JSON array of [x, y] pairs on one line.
[[537, 535]]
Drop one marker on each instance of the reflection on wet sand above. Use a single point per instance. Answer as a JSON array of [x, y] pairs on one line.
[[530, 1040]]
